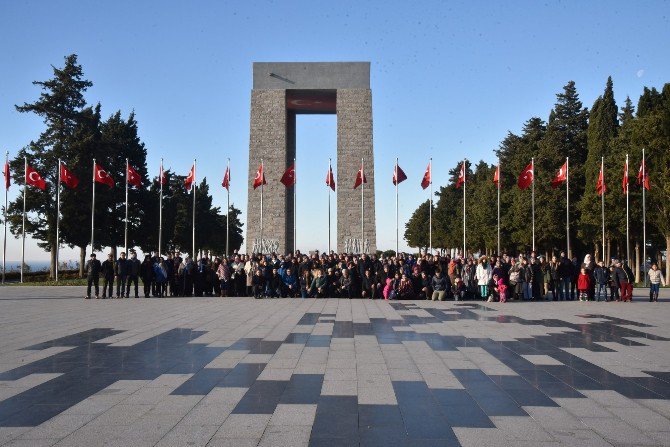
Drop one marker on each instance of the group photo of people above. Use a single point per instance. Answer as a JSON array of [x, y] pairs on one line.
[[492, 278]]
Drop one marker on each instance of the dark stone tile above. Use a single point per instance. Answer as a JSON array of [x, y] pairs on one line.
[[336, 417], [461, 410], [261, 398], [309, 319], [243, 375], [303, 389]]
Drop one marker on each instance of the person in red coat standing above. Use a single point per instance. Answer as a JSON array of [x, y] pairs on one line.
[[583, 285]]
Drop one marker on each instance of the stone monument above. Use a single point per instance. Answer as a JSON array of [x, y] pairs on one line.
[[281, 90]]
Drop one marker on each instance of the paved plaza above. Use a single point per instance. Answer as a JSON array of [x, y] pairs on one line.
[[327, 372]]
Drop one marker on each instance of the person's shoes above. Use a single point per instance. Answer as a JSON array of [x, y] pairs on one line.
[[103, 296], [87, 297], [136, 296], [97, 297]]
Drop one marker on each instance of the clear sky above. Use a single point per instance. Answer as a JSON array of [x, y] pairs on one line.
[[449, 79]]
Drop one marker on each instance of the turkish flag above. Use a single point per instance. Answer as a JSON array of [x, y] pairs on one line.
[[425, 182], [288, 179], [526, 177], [600, 186], [496, 176], [67, 177], [34, 179], [226, 179], [330, 179], [643, 177], [6, 173], [624, 182], [260, 177], [134, 178], [461, 176], [162, 177], [101, 176], [190, 178], [561, 176], [360, 178], [398, 175]]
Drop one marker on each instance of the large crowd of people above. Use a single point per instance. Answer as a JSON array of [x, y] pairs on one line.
[[495, 278]]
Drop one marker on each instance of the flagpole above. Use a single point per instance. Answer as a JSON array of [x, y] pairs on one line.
[[295, 214], [57, 218], [397, 243], [644, 219], [430, 204], [464, 182], [602, 201], [160, 210], [4, 244], [23, 230], [362, 204], [228, 211], [125, 231], [262, 178], [193, 186], [532, 165], [567, 203], [498, 206], [329, 188], [627, 217], [93, 209]]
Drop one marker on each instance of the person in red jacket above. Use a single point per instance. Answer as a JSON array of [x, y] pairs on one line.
[[583, 285]]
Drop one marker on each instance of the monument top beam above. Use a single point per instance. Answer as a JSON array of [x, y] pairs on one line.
[[311, 75]]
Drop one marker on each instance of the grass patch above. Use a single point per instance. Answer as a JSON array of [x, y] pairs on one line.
[[61, 282]]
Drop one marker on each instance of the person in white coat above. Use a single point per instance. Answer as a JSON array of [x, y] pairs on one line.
[[483, 276]]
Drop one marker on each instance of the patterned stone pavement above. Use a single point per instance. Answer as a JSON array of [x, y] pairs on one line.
[[292, 372]]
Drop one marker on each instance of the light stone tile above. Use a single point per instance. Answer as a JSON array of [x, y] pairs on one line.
[[243, 426], [339, 388], [293, 414]]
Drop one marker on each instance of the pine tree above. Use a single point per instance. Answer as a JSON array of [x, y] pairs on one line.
[[60, 105], [602, 129]]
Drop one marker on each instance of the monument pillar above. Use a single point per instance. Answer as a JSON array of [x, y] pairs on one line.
[[280, 92]]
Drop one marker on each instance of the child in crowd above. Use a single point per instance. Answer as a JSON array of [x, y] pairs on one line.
[[583, 283], [502, 289]]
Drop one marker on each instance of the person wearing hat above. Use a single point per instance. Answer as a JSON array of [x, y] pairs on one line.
[[92, 276]]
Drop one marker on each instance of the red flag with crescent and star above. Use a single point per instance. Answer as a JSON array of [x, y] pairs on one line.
[[600, 186], [461, 176], [330, 178], [288, 179], [260, 177], [68, 178], [226, 179], [6, 173], [190, 178], [360, 178], [162, 177], [33, 178], [526, 177], [643, 177], [425, 181], [496, 176], [624, 182], [134, 177], [561, 176], [398, 175], [101, 176]]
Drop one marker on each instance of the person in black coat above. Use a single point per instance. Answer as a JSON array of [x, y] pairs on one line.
[[133, 273], [258, 284], [147, 275], [92, 269], [108, 271], [121, 275]]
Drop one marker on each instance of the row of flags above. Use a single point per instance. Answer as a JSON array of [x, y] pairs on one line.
[[100, 175], [525, 180], [527, 177], [289, 178]]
